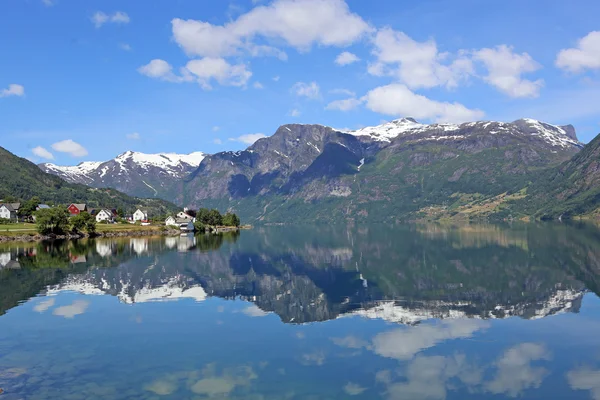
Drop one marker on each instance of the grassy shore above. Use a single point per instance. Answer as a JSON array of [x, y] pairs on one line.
[[30, 229]]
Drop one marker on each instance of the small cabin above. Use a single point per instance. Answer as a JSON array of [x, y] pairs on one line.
[[76, 209], [170, 221], [140, 215]]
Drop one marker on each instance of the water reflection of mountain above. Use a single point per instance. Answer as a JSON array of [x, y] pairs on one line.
[[403, 274]]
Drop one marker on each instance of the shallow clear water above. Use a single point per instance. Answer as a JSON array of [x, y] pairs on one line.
[[404, 312]]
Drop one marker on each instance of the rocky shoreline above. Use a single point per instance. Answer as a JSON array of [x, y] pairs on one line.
[[38, 237]]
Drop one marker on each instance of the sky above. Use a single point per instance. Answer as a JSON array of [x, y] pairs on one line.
[[88, 80]]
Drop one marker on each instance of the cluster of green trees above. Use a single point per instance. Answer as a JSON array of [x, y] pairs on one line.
[[206, 218], [57, 221]]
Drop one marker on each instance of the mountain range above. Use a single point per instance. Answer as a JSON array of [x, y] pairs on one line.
[[395, 171]]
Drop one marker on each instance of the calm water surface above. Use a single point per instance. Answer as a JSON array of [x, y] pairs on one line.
[[365, 312]]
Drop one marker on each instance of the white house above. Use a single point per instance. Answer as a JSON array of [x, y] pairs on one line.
[[8, 212], [184, 215], [170, 221], [140, 215], [105, 215]]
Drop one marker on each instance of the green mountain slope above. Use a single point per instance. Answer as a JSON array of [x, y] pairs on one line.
[[23, 179]]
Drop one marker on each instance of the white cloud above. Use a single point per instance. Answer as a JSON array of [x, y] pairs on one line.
[[160, 69], [515, 372], [125, 46], [207, 69], [417, 64], [299, 24], [43, 306], [42, 152], [77, 308], [353, 389], [258, 85], [133, 136], [398, 100], [276, 78], [48, 3], [13, 90], [585, 379], [100, 18], [253, 310], [585, 56], [310, 90], [344, 105], [505, 69], [249, 139], [405, 343], [343, 91], [346, 58], [216, 128], [295, 113], [217, 141], [70, 147]]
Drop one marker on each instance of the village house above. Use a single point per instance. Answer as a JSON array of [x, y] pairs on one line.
[[76, 209], [140, 215], [184, 215], [185, 225], [170, 221], [7, 211], [105, 215]]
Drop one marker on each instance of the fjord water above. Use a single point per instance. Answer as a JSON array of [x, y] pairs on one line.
[[392, 312]]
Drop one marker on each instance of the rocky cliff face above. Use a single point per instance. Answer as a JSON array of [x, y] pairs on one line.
[[379, 173], [137, 174]]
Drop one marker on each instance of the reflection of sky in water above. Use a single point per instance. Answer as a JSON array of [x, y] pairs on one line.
[[75, 346]]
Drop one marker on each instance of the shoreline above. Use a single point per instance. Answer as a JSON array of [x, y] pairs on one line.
[[108, 234]]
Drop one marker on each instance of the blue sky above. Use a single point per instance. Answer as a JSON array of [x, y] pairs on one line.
[[89, 80]]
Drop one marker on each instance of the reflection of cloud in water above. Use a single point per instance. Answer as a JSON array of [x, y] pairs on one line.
[[254, 311], [585, 379], [43, 306], [353, 389], [350, 342], [404, 343], [316, 358], [515, 372], [430, 377], [76, 308], [162, 387]]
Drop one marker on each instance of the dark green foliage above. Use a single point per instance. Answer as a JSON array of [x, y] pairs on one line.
[[4, 221], [83, 222], [52, 220], [28, 208], [20, 179], [199, 226], [230, 219]]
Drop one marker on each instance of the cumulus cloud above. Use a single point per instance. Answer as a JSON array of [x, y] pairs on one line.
[[78, 307], [586, 55], [295, 113], [585, 379], [203, 71], [405, 343], [42, 152], [417, 64], [100, 18], [310, 90], [346, 58], [258, 85], [13, 90], [505, 68], [398, 100], [297, 23], [249, 139], [133, 136], [70, 147], [344, 104], [207, 69]]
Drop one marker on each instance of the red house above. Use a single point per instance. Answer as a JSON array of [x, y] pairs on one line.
[[76, 209]]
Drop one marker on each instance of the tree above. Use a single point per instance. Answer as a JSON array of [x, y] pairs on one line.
[[83, 222], [28, 208], [231, 219], [214, 217], [52, 220], [199, 226], [202, 215], [120, 212]]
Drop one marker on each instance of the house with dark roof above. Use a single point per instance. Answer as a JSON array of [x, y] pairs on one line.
[[7, 211]]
